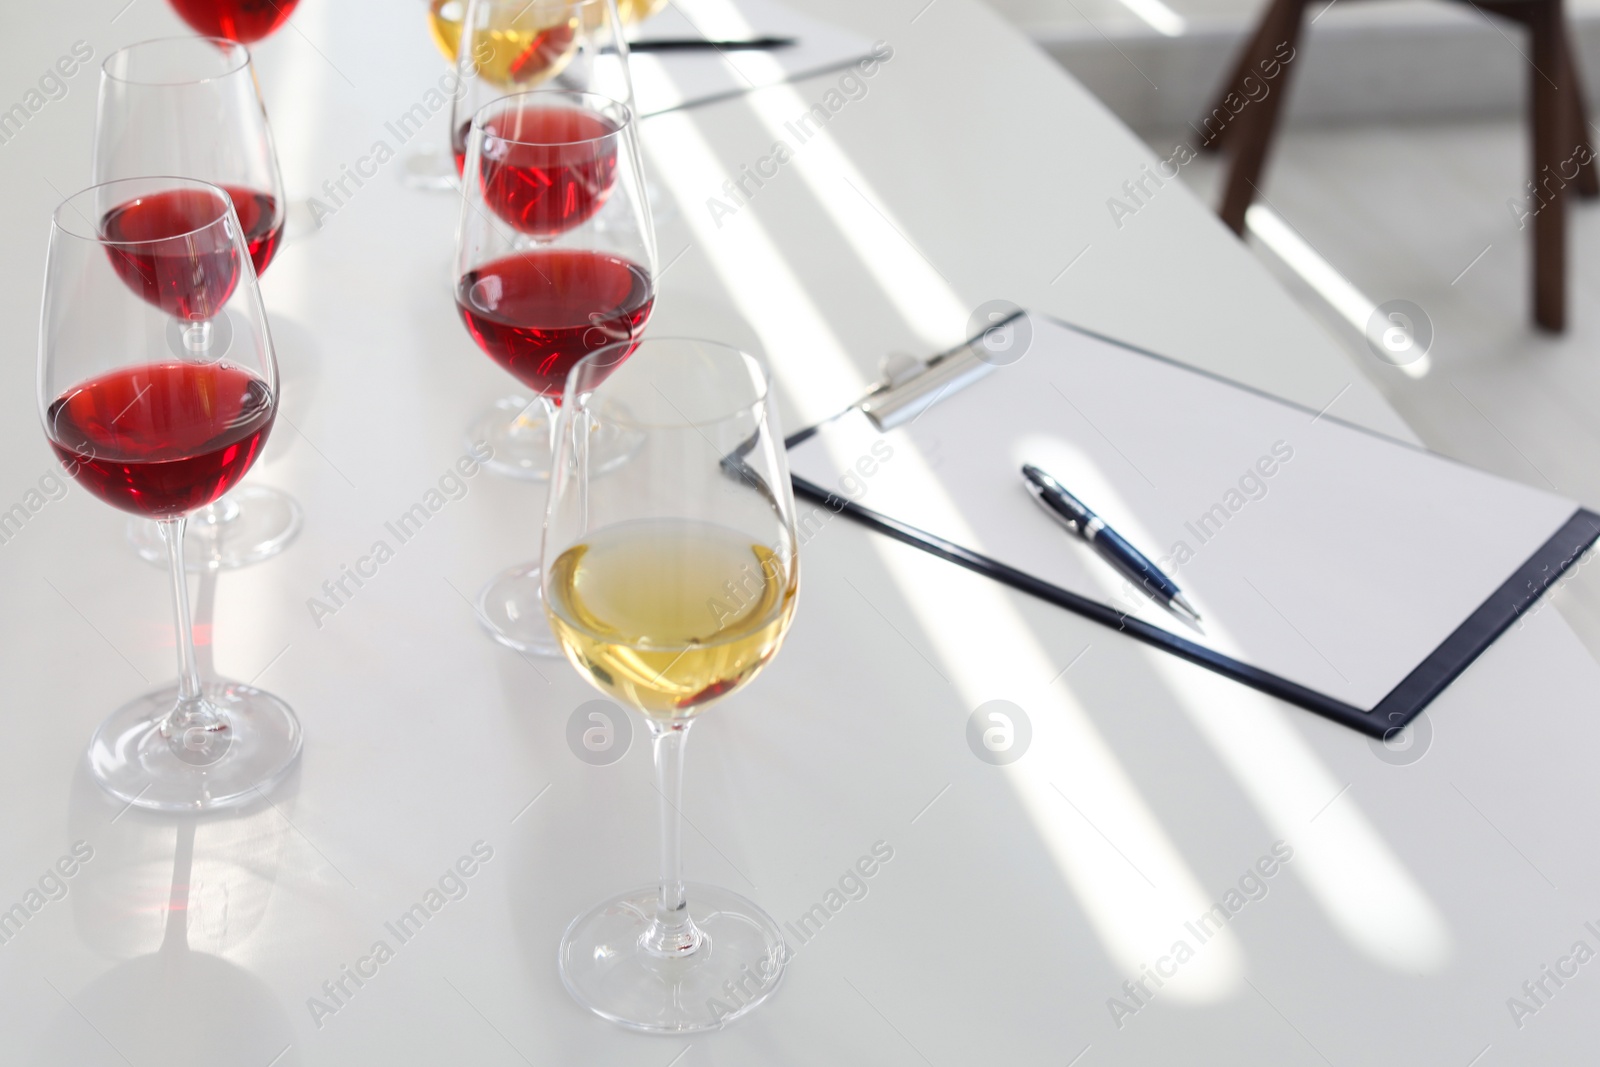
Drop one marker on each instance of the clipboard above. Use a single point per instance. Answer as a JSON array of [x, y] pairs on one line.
[[1364, 623]]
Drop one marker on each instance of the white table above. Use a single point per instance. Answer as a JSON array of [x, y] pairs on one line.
[[1018, 900]]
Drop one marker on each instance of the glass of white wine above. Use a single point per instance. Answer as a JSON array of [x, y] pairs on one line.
[[670, 582], [445, 17]]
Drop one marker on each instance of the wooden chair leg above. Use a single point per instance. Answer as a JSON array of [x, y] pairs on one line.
[[1551, 139], [1214, 126], [1256, 124], [1588, 179]]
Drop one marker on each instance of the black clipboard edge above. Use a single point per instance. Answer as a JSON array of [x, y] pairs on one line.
[[1494, 617], [1404, 703]]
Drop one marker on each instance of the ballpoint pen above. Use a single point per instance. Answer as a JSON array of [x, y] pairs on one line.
[[700, 44], [1076, 517]]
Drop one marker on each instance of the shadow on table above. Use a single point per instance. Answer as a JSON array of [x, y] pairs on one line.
[[167, 897]]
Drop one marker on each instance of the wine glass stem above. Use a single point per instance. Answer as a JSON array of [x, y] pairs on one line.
[[192, 711], [552, 411], [197, 337], [673, 933]]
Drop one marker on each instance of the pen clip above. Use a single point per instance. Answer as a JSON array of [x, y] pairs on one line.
[[1037, 491]]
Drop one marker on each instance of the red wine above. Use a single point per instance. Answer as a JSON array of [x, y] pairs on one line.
[[547, 188], [458, 145], [162, 439], [187, 208], [237, 20], [181, 262], [538, 313], [262, 224]]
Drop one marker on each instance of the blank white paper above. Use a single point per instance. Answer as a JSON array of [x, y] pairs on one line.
[[1315, 550]]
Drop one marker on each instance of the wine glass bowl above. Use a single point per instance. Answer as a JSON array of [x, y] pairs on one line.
[[531, 46], [677, 579], [165, 244], [159, 426], [191, 106], [446, 16], [670, 582], [549, 165], [582, 302], [508, 47], [245, 21]]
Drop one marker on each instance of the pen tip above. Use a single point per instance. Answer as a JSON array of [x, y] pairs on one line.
[[1185, 608]]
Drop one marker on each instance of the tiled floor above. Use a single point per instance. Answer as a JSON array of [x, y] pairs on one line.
[[1420, 213]]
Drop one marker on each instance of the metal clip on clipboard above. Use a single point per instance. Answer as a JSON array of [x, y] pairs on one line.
[[904, 396]]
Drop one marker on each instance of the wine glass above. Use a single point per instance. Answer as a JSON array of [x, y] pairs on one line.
[[508, 47], [157, 388], [555, 258], [446, 16], [670, 582], [244, 21], [191, 106]]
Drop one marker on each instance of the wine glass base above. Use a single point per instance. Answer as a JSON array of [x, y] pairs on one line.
[[607, 970], [258, 523], [134, 763], [519, 441], [511, 609], [518, 438]]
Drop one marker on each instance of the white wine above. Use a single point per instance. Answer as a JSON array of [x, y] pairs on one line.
[[444, 19], [548, 42], [638, 10], [522, 55], [668, 615], [523, 44]]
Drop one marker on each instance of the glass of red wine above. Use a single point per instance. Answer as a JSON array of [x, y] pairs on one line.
[[507, 47], [555, 258], [237, 20], [158, 388], [191, 106]]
